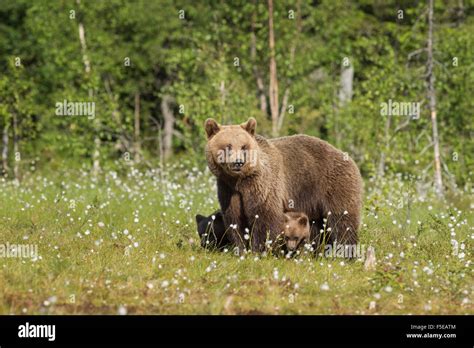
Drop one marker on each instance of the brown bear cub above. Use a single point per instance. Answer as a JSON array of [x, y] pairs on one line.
[[255, 174], [296, 231], [211, 230]]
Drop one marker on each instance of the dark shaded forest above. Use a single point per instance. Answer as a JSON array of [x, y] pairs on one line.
[[388, 82]]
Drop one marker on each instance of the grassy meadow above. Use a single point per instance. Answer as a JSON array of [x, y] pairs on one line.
[[126, 243]]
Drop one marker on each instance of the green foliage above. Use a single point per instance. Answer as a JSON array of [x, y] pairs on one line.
[[200, 53]]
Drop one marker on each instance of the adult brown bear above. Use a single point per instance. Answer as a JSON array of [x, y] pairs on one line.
[[258, 179]]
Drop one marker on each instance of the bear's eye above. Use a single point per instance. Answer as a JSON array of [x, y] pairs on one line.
[[244, 147]]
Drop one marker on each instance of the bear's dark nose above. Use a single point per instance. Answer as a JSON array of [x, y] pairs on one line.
[[237, 164]]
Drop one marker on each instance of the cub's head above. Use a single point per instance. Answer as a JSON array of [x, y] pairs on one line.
[[211, 230], [232, 149], [296, 230]]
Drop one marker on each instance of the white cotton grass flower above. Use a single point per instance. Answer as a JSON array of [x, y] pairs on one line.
[[246, 236], [122, 310], [346, 212], [275, 274], [427, 270], [49, 301], [101, 224], [325, 287], [213, 217]]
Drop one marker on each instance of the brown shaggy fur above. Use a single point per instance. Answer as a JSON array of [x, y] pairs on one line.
[[257, 174], [212, 231], [296, 231]]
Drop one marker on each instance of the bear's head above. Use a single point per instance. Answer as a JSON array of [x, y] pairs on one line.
[[211, 230], [232, 149], [296, 231]]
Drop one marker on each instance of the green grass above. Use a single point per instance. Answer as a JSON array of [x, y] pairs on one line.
[[89, 265]]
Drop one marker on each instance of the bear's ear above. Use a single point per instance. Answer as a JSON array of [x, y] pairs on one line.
[[199, 218], [211, 127], [303, 221], [286, 208], [250, 126]]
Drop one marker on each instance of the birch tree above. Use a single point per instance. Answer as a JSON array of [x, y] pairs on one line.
[[87, 70], [273, 87], [438, 180]]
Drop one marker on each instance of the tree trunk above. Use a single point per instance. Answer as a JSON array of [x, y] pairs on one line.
[[167, 142], [344, 96], [223, 95], [381, 169], [460, 12], [82, 39], [286, 94], [273, 89], [16, 149], [87, 68], [5, 167], [284, 105], [432, 102], [96, 156], [256, 70], [347, 77], [137, 152]]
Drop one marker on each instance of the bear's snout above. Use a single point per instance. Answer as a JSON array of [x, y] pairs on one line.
[[292, 244], [237, 165]]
